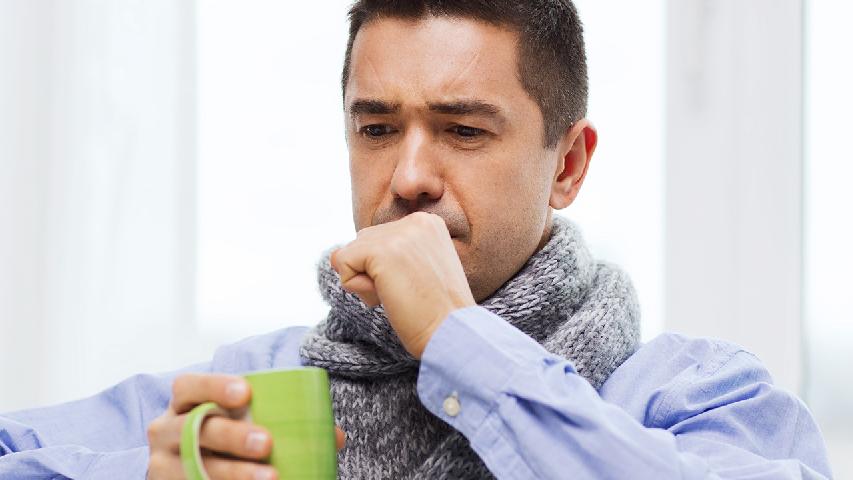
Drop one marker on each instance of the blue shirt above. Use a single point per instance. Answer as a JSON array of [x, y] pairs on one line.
[[678, 408]]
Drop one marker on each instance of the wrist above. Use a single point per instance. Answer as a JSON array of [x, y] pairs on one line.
[[419, 344]]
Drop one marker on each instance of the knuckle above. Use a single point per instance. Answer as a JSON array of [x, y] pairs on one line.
[[157, 464], [436, 223], [435, 219], [153, 430], [221, 434], [228, 468], [249, 471], [179, 385], [422, 218], [244, 471], [439, 223], [159, 432], [338, 258]]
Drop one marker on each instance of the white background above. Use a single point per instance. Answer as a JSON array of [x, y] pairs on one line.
[[828, 261], [170, 172]]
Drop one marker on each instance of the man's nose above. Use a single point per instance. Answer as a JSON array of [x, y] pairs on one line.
[[417, 174]]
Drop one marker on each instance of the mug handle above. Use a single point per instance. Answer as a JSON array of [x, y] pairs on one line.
[[190, 451]]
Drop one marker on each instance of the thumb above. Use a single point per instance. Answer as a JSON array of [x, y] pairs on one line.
[[363, 286], [340, 437]]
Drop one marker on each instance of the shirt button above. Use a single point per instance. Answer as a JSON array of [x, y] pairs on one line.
[[451, 405]]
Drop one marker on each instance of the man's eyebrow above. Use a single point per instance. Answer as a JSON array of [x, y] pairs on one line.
[[372, 107], [477, 108], [361, 107], [466, 107]]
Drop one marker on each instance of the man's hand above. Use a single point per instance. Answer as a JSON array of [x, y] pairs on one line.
[[411, 267], [231, 448]]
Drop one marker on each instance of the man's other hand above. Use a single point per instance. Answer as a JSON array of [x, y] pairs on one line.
[[232, 449]]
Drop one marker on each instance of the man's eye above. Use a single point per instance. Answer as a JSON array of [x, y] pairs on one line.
[[467, 132], [376, 131]]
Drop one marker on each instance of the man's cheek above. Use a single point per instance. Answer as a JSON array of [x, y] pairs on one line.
[[362, 213], [365, 203]]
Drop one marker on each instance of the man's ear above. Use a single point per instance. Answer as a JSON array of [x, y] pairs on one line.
[[575, 151]]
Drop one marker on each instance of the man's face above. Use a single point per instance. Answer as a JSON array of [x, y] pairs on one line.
[[438, 121]]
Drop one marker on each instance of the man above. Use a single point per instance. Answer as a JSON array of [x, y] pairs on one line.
[[471, 334]]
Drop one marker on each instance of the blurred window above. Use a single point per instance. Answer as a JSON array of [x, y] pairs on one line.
[[829, 226]]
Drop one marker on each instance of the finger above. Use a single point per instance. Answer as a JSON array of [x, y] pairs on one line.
[[236, 438], [333, 260], [363, 286], [164, 433], [165, 467], [340, 437], [226, 390], [219, 468], [351, 260]]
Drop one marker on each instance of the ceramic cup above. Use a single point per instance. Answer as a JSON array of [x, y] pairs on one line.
[[294, 405]]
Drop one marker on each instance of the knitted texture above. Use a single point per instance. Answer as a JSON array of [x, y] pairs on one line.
[[575, 307]]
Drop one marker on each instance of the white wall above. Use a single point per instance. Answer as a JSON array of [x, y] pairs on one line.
[[98, 220], [23, 110], [734, 176], [273, 171], [621, 206], [828, 258]]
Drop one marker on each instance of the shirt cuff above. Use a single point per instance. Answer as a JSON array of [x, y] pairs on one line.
[[467, 364]]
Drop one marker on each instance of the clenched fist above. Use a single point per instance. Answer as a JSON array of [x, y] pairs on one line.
[[411, 267]]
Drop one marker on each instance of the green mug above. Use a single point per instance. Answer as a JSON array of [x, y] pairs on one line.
[[295, 406]]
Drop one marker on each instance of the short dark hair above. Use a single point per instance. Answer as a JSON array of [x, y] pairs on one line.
[[552, 57]]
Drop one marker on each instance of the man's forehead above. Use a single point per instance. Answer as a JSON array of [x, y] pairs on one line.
[[434, 60]]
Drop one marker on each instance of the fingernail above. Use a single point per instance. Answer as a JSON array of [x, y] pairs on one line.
[[264, 474], [255, 441], [235, 391]]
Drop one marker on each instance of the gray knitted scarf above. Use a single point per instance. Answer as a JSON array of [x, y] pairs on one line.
[[573, 306]]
